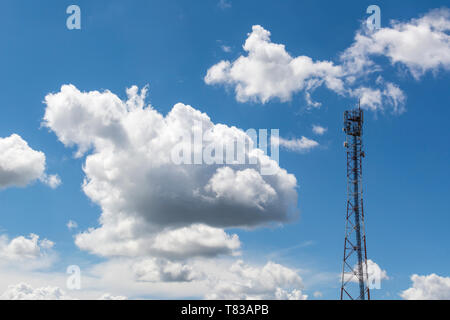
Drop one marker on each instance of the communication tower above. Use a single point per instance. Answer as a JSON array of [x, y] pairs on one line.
[[354, 271]]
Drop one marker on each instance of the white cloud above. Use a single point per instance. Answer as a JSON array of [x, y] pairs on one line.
[[374, 269], [395, 97], [299, 145], [72, 225], [226, 48], [151, 206], [108, 296], [124, 240], [374, 272], [21, 165], [36, 253], [269, 72], [224, 4], [420, 45], [272, 281], [295, 294], [246, 187], [368, 97], [23, 291], [430, 287], [53, 180], [161, 270], [319, 130], [310, 102], [195, 240], [317, 294], [375, 99], [150, 278]]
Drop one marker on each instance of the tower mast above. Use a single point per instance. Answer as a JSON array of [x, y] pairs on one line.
[[354, 270]]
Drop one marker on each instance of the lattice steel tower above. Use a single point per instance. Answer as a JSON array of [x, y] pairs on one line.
[[354, 271]]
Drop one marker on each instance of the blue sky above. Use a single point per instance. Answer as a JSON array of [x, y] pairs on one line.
[[170, 45]]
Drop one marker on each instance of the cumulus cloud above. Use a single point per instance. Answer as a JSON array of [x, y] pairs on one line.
[[319, 130], [420, 45], [162, 270], [24, 291], [125, 240], [244, 282], [299, 145], [269, 72], [144, 278], [150, 205], [21, 165], [374, 272], [29, 249], [430, 287], [246, 187], [195, 240]]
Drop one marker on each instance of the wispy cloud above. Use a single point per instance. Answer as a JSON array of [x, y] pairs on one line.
[[224, 4], [319, 130], [226, 48], [72, 225], [301, 145]]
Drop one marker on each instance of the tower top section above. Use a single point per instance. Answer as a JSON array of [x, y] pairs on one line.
[[353, 122]]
